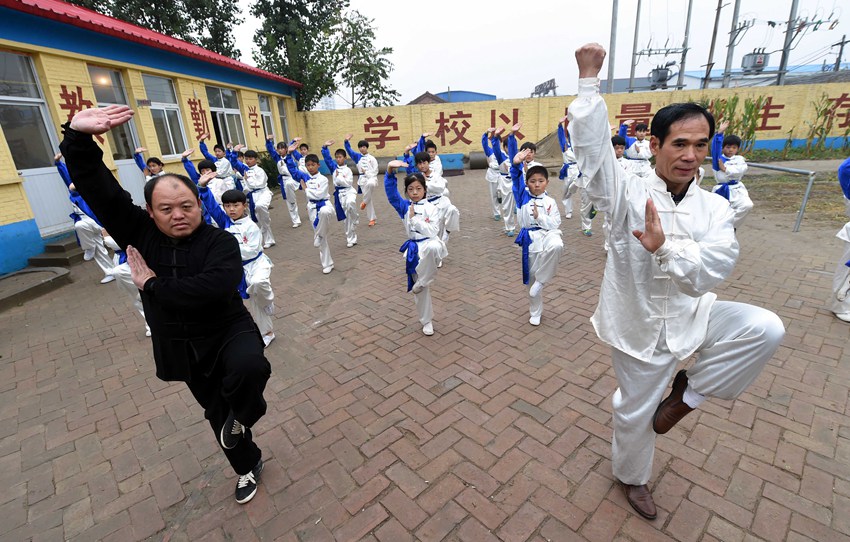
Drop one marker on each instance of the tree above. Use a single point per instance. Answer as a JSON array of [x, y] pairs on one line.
[[364, 68], [296, 40], [207, 23]]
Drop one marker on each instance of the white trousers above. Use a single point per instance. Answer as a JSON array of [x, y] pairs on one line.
[[320, 232], [740, 340], [570, 188], [493, 186], [262, 200], [367, 185], [431, 253], [508, 204], [261, 300], [91, 238], [291, 188], [124, 280], [840, 300], [348, 200], [586, 207], [542, 266]]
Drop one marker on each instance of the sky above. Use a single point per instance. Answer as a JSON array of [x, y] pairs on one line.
[[503, 49]]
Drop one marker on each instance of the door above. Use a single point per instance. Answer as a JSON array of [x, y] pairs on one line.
[[132, 179]]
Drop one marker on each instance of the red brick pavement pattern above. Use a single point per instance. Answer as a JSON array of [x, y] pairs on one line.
[[489, 430]]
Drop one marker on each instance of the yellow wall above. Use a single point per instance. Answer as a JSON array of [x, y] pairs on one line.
[[14, 206], [540, 116]]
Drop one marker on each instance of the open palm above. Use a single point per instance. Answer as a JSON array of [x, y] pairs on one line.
[[99, 120]]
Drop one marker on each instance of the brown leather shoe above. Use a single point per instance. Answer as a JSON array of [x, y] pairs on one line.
[[641, 500], [672, 409]]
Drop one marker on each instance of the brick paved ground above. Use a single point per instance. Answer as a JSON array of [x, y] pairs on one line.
[[489, 430]]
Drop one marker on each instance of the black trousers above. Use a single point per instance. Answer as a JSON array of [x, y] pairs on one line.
[[237, 384]]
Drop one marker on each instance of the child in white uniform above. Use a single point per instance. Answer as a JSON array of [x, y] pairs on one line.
[[492, 175], [367, 168], [423, 250], [124, 278], [540, 237], [438, 194], [729, 168], [151, 168], [223, 170], [840, 302], [345, 196], [637, 148], [259, 196], [315, 185], [506, 191], [569, 171], [288, 185], [256, 285]]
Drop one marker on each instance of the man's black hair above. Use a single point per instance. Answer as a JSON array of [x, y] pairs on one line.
[[311, 158], [421, 156], [618, 140], [251, 154], [732, 140], [535, 170], [666, 116], [363, 143], [528, 145], [234, 196], [151, 184], [641, 127], [206, 164]]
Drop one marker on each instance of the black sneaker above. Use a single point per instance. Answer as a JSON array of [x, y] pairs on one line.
[[246, 484], [231, 432]]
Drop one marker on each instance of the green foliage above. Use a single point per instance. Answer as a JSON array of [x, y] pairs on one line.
[[744, 124], [269, 167], [207, 23], [796, 153], [822, 125], [364, 68]]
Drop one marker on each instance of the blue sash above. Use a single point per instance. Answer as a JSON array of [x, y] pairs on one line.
[[340, 212], [524, 240], [252, 207], [563, 173], [122, 256], [243, 284], [432, 199], [724, 189], [411, 259], [319, 204]]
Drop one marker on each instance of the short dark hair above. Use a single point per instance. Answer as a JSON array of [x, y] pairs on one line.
[[311, 158], [732, 140], [303, 146], [206, 164], [218, 147], [240, 154], [363, 143], [415, 177], [421, 156], [251, 154], [340, 152], [641, 127], [155, 160], [151, 184], [234, 196], [534, 170], [528, 145], [282, 145], [618, 140], [430, 145], [666, 116]]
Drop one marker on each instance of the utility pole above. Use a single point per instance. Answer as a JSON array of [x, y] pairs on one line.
[[613, 48], [840, 51], [681, 81], [730, 50], [786, 49], [710, 65], [634, 49]]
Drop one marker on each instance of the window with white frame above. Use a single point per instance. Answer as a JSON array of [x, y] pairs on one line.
[[266, 114], [166, 114], [109, 90], [226, 117], [23, 113], [281, 110]]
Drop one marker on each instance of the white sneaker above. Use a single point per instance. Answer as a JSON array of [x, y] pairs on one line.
[[843, 316], [440, 264], [267, 339], [88, 255], [534, 320], [428, 329], [296, 224], [350, 244], [147, 332], [317, 241], [568, 215], [107, 279], [267, 245], [328, 269], [535, 290]]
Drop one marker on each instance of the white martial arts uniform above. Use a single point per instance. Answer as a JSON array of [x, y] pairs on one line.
[[90, 234], [840, 300], [343, 180], [739, 198], [506, 190], [290, 186], [436, 166], [367, 169], [320, 210], [124, 278], [256, 186], [422, 230], [544, 238], [492, 176], [658, 309], [438, 194], [640, 153]]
